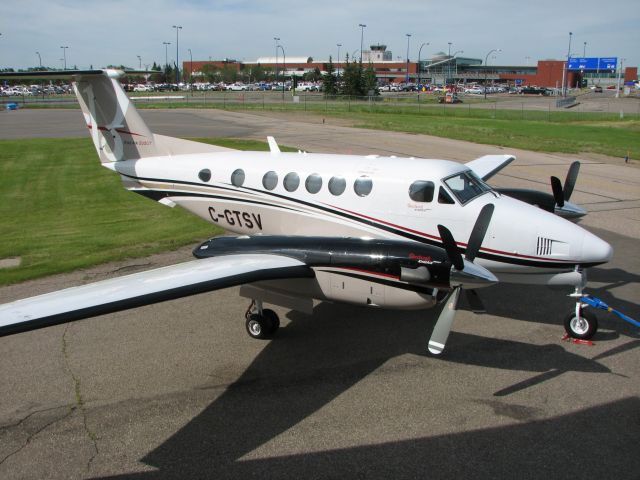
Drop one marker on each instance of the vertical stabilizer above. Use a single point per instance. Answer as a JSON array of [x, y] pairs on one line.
[[117, 130]]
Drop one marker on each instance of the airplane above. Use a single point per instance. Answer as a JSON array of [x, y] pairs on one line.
[[385, 232]]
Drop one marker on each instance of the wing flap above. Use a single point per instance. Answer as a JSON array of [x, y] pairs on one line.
[[144, 288], [488, 165]]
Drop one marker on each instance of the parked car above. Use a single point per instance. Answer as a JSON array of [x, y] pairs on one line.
[[598, 89]]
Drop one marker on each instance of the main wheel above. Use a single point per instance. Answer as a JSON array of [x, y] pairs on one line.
[[584, 327], [258, 326], [273, 320]]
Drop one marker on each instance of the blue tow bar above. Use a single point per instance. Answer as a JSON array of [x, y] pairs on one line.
[[597, 303]]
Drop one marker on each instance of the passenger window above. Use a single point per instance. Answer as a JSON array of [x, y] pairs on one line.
[[291, 182], [421, 191], [313, 183], [337, 185], [444, 197], [237, 177], [363, 186], [205, 175], [270, 180]]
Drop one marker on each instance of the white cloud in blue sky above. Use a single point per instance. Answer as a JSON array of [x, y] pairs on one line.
[[99, 33]]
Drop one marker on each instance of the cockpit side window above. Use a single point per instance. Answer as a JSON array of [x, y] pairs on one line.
[[444, 197], [466, 186], [421, 191]]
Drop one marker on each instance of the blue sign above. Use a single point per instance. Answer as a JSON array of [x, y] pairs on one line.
[[593, 63]]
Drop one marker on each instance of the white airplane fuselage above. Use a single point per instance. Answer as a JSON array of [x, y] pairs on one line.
[[523, 244]]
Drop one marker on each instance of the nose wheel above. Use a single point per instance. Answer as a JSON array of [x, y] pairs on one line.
[[261, 323], [582, 325]]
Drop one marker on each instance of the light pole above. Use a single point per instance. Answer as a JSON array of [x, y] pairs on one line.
[[284, 67], [448, 65], [139, 62], [452, 57], [338, 64], [419, 64], [39, 59], [526, 61], [408, 38], [277, 39], [566, 80], [362, 27], [584, 50], [486, 59], [190, 70], [178, 28], [166, 59], [64, 56]]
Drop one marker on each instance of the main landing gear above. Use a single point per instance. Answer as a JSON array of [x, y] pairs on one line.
[[261, 322], [579, 322]]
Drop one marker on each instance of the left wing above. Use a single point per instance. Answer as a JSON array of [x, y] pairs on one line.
[[130, 291], [488, 165]]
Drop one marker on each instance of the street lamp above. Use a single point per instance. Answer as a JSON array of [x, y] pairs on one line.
[[178, 28], [191, 70], [408, 38], [584, 50], [338, 64], [566, 80], [277, 39], [419, 64], [139, 62], [284, 67], [39, 59], [362, 27], [452, 57], [448, 64], [64, 56], [486, 59]]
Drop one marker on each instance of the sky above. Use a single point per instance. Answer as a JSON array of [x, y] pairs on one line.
[[116, 32]]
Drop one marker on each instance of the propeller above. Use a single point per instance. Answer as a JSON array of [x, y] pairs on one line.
[[563, 194], [463, 273]]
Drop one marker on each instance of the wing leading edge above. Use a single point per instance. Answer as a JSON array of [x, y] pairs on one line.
[[488, 165], [144, 288]]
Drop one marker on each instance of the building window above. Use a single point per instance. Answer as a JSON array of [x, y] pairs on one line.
[[237, 177], [363, 186], [337, 185], [291, 182], [270, 180], [421, 191], [313, 184], [205, 175]]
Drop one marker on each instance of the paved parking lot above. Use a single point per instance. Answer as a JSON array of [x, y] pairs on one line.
[[179, 390]]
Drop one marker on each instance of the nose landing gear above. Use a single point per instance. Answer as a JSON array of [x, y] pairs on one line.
[[261, 323], [579, 322]]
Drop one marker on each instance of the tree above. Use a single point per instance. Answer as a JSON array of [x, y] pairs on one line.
[[329, 80], [352, 79], [369, 81]]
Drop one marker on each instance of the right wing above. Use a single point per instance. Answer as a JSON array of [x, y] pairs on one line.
[[144, 288]]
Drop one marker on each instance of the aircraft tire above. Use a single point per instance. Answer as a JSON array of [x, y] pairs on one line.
[[273, 320], [258, 326], [584, 328]]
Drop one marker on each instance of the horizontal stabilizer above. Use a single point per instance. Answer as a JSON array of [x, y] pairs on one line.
[[144, 288]]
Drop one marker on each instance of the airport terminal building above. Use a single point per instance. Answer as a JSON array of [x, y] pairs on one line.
[[440, 69]]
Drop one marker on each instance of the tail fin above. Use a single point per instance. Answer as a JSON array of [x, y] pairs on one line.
[[117, 130]]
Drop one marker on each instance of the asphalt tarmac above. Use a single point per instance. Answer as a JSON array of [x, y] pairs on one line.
[[178, 389]]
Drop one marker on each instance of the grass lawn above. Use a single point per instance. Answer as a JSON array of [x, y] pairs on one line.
[[61, 210]]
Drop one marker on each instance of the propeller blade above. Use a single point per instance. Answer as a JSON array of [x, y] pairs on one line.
[[441, 331], [479, 231], [570, 181], [455, 257], [558, 194]]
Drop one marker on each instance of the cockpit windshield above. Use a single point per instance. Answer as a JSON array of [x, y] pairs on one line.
[[466, 186]]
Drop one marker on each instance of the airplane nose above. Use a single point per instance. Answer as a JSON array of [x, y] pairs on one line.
[[595, 250]]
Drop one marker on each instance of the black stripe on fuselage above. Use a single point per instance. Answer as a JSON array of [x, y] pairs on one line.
[[396, 231]]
